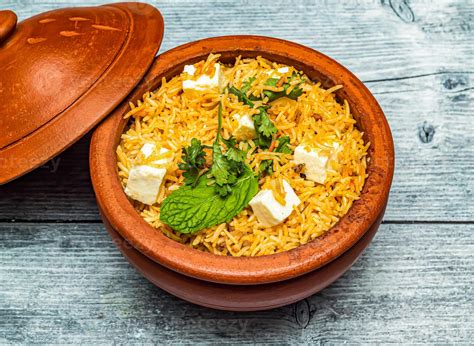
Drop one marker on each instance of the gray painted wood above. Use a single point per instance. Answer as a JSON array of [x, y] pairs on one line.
[[432, 178], [421, 72], [62, 279], [65, 282]]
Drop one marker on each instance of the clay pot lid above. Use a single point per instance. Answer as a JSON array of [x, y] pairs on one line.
[[65, 70]]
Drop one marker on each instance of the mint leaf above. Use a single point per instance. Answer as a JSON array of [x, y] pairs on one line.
[[189, 210]]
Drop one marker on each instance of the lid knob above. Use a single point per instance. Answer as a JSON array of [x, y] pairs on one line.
[[7, 24]]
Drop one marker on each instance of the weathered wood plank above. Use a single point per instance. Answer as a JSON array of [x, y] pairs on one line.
[[373, 38], [68, 283], [431, 120], [61, 190], [416, 58]]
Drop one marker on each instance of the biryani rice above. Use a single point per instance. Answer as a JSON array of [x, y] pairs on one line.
[[169, 118]]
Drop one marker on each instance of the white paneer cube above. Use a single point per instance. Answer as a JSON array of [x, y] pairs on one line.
[[205, 82], [148, 149], [144, 183], [165, 161], [189, 69], [245, 127], [315, 163], [278, 72], [269, 211]]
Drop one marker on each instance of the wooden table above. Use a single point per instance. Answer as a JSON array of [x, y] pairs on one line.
[[63, 280]]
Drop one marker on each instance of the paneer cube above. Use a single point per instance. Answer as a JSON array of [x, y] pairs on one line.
[[204, 82], [315, 163], [245, 127], [189, 69], [269, 211], [144, 183], [278, 72], [149, 148]]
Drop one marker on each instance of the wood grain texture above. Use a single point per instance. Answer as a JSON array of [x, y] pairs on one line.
[[66, 282], [432, 179], [421, 72]]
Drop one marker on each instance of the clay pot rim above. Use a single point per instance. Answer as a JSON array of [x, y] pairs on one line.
[[120, 213]]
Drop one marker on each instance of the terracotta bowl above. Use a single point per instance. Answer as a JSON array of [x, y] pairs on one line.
[[120, 214]]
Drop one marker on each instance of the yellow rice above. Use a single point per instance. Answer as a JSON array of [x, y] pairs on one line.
[[170, 119]]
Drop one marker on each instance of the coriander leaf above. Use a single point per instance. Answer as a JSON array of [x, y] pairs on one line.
[[274, 95], [264, 125], [189, 210], [220, 166], [193, 158], [226, 168], [283, 145], [241, 96], [229, 142], [191, 175], [266, 166], [265, 128], [235, 154], [247, 85], [272, 81]]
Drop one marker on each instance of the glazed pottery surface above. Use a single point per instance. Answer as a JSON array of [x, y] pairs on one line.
[[65, 70]]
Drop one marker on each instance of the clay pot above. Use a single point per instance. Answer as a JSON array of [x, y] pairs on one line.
[[242, 298], [120, 214]]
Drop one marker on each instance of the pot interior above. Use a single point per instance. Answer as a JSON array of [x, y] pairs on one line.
[[230, 57]]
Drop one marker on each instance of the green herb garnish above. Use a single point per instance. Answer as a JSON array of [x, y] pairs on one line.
[[208, 199], [274, 95], [226, 168], [212, 198], [263, 125], [189, 210], [246, 85], [266, 166], [193, 161], [283, 145]]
